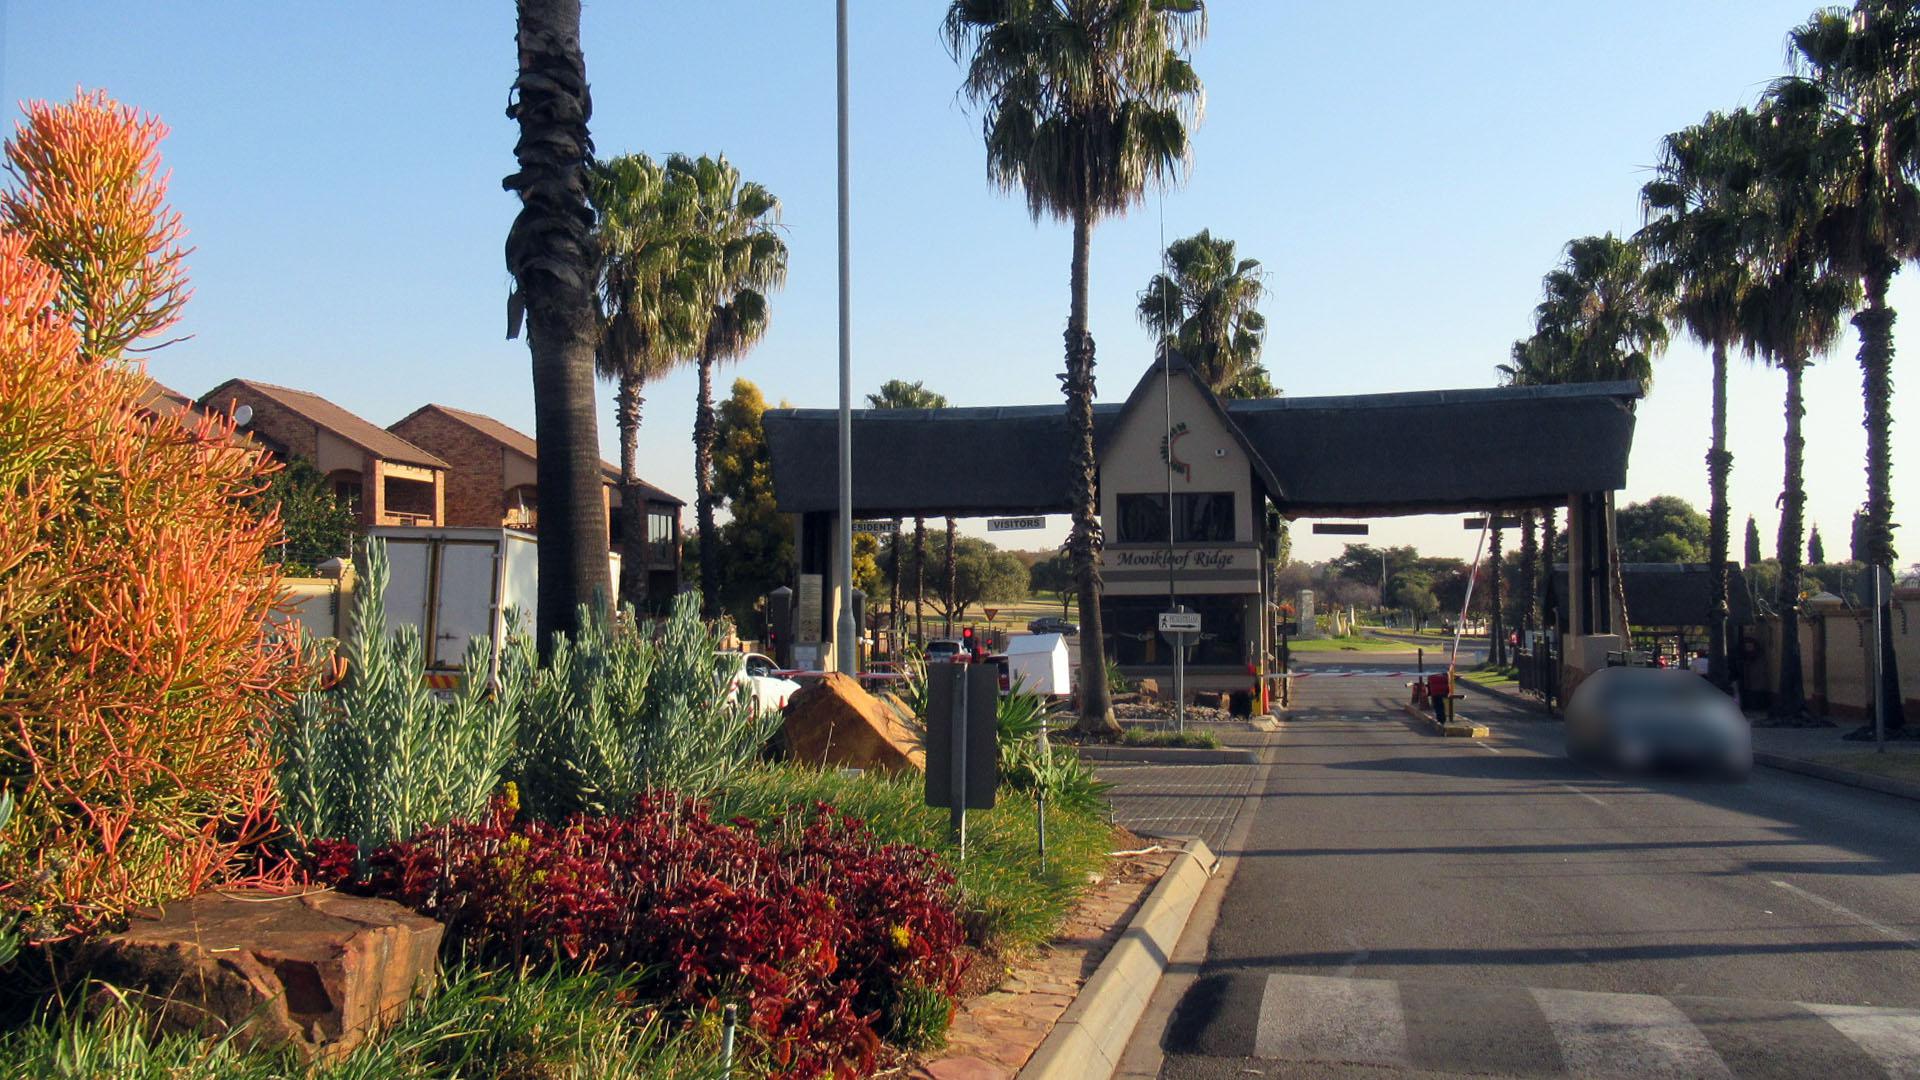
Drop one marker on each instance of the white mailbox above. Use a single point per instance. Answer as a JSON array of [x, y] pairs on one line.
[[1038, 662]]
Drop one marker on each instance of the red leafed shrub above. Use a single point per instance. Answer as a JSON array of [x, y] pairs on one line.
[[812, 926]]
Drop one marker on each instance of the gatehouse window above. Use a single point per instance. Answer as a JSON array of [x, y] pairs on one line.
[[1204, 517], [1143, 518]]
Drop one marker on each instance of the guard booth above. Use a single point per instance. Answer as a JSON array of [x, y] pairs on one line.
[[1192, 488]]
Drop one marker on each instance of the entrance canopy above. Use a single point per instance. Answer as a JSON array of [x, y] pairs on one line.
[[1366, 455]]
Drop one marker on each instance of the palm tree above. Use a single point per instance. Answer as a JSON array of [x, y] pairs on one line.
[[901, 394], [550, 254], [1205, 310], [648, 307], [1085, 102], [1860, 66], [1603, 313], [1699, 224], [1791, 313], [736, 239]]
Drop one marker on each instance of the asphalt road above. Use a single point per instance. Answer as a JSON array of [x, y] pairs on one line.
[[1412, 905]]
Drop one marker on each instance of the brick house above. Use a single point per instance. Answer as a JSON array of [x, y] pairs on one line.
[[492, 481], [388, 480]]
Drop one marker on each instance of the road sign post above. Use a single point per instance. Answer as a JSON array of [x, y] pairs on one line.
[[963, 754], [1180, 626]]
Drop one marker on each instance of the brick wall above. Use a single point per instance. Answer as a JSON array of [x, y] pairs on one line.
[[287, 429], [474, 493]]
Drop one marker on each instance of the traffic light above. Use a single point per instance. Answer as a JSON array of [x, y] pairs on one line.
[[968, 645]]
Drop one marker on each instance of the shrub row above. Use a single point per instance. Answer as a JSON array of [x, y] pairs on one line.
[[823, 935]]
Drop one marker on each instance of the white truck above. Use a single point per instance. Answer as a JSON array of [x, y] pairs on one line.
[[459, 583]]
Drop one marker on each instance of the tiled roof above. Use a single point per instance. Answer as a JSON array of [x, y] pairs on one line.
[[368, 436], [523, 444]]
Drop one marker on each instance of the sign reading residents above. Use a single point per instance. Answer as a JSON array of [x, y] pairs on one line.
[[876, 528], [1011, 524]]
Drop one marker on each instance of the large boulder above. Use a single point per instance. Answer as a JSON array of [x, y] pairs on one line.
[[319, 971], [833, 721]]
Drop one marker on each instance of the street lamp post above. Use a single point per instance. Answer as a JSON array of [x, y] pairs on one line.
[[845, 630]]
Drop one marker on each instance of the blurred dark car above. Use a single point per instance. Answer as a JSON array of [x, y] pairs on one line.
[[1053, 624], [1658, 719]]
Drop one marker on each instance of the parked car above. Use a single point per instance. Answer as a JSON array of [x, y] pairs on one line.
[[946, 651], [1638, 718], [1053, 624], [770, 691]]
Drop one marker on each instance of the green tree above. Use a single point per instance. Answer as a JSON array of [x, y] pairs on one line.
[[901, 394], [648, 307], [1204, 308], [550, 253], [1791, 314], [1858, 66], [1752, 553], [1699, 224], [982, 574], [1816, 551], [1602, 318], [736, 240], [753, 553], [1085, 103], [1663, 529], [1412, 593], [1054, 574], [317, 525]]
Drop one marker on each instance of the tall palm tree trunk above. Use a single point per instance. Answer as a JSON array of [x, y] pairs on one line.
[[953, 578], [633, 512], [1790, 694], [703, 493], [1719, 464], [550, 253], [1529, 572], [1083, 541], [894, 625], [1875, 323], [1549, 540], [920, 578], [1497, 628]]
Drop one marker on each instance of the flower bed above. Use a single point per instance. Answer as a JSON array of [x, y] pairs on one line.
[[826, 937]]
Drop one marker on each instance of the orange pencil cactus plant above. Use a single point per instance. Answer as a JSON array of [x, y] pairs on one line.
[[137, 667]]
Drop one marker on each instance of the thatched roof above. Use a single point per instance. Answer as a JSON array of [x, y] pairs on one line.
[[1428, 451]]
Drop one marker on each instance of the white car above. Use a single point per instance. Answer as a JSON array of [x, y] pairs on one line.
[[770, 691]]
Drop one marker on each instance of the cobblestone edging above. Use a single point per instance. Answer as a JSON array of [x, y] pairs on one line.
[[1171, 755], [1885, 785], [1088, 1040]]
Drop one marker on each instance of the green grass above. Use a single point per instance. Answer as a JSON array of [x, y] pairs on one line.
[[1500, 678], [1187, 740], [1015, 901], [1346, 644], [479, 1023]]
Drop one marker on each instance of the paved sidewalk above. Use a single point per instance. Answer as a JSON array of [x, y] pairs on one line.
[[1178, 800]]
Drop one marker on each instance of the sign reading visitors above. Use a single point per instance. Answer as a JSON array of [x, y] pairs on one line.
[[876, 528], [806, 615], [1339, 528], [1012, 524], [1179, 622]]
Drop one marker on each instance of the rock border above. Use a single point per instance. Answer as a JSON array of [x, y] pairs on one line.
[[1089, 1038]]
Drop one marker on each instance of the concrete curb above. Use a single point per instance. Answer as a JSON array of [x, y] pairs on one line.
[[1087, 1041], [1170, 755], [1507, 696], [1885, 785], [1459, 729]]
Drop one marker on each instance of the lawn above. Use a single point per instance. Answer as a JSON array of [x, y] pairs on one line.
[[1897, 764], [1346, 644], [1498, 678]]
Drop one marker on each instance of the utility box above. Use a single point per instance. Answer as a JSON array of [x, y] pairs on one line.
[[1038, 663], [457, 584]]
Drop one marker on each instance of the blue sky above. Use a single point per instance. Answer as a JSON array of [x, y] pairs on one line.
[[1406, 172]]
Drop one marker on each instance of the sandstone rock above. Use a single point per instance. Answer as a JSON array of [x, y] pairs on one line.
[[319, 970], [832, 721], [1209, 699], [1150, 689]]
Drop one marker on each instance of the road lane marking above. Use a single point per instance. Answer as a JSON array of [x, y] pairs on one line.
[[1317, 1018], [1484, 746], [1583, 795], [1627, 1035], [1847, 913], [1889, 1036]]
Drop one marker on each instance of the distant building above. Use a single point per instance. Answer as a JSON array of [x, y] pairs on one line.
[[385, 478], [492, 481]]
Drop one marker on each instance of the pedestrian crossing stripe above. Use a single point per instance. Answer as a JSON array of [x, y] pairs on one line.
[[1383, 1023]]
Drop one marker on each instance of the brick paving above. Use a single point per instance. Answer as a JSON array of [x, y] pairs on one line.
[[1179, 800]]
